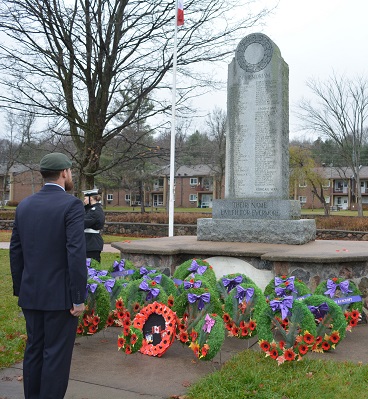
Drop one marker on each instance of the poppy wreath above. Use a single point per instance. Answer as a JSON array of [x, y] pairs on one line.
[[291, 343], [142, 292], [97, 310], [286, 285], [330, 321], [227, 282], [242, 303], [195, 266], [207, 337], [347, 295], [130, 341], [158, 325]]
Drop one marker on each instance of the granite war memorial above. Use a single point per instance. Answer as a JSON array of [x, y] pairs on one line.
[[256, 207]]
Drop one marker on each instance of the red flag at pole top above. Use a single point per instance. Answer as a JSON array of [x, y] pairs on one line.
[[180, 18]]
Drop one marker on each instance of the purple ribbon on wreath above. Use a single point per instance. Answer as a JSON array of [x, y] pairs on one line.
[[91, 288], [109, 284], [151, 292], [332, 286], [119, 269], [319, 311], [283, 305], [177, 281], [143, 271], [289, 285], [195, 268], [96, 273], [231, 283], [157, 279], [208, 324], [242, 293], [195, 284], [192, 298]]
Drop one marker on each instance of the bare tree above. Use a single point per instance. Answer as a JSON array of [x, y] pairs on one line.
[[15, 146], [216, 124], [69, 60], [340, 112]]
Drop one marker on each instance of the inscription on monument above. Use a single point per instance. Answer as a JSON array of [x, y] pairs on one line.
[[255, 209]]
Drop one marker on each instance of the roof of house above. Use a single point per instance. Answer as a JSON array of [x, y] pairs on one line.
[[189, 170], [341, 172], [17, 168]]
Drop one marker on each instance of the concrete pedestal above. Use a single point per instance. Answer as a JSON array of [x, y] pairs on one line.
[[257, 230]]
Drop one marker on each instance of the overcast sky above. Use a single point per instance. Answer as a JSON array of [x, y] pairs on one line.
[[316, 38]]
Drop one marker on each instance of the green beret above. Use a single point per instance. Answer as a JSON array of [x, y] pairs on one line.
[[55, 161]]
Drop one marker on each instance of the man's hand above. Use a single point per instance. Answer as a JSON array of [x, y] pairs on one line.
[[77, 310]]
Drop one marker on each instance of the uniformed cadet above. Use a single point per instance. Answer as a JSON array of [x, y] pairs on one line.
[[94, 221]]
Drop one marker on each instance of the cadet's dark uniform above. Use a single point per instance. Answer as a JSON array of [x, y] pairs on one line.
[[94, 221]]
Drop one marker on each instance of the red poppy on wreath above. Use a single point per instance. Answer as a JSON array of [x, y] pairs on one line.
[[289, 354], [303, 349], [325, 346], [158, 325], [119, 304], [264, 345], [274, 353]]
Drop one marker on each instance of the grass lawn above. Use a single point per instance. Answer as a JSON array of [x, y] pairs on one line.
[[250, 374]]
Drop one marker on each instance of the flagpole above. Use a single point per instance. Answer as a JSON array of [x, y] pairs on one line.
[[173, 129]]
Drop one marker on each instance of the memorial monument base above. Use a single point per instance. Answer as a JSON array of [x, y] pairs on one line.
[[293, 232]]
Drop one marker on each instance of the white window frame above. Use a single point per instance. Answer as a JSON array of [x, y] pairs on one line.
[[127, 197], [193, 181], [193, 197], [109, 197], [303, 184], [302, 199]]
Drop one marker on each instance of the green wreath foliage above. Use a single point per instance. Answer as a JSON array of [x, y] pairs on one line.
[[333, 321], [240, 317], [115, 291], [133, 295], [97, 305], [182, 305], [182, 272], [207, 345], [300, 321], [322, 288], [301, 288], [222, 290]]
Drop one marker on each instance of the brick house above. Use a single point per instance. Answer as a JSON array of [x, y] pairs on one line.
[[21, 182], [195, 187], [339, 189]]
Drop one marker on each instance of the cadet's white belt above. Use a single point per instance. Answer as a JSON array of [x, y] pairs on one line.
[[92, 231]]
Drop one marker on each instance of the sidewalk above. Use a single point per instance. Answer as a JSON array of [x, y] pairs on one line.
[[99, 370]]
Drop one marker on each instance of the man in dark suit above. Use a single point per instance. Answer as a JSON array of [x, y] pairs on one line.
[[48, 266]]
